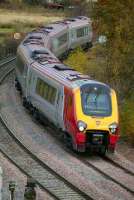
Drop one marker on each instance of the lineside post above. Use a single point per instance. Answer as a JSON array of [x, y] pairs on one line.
[[12, 189], [1, 173], [30, 193]]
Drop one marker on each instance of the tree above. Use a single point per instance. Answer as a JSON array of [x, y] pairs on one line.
[[115, 20]]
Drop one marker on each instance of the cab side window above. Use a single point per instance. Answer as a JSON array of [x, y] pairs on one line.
[[46, 91], [54, 44], [58, 42], [62, 39]]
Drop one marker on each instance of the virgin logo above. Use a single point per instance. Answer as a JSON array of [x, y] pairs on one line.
[[98, 123]]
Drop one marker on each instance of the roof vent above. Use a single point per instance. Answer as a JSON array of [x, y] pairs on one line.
[[81, 17], [71, 20], [38, 53], [74, 77], [47, 60], [49, 27], [35, 37], [63, 68], [41, 30], [61, 22], [45, 31], [33, 41]]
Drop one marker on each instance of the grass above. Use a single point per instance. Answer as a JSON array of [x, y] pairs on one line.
[[11, 17], [25, 19], [6, 30]]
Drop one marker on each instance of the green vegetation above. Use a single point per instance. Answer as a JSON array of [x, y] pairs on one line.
[[113, 62], [78, 60], [115, 21], [127, 120], [22, 19]]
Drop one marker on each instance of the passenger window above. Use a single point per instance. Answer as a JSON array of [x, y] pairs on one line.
[[73, 34], [42, 89], [50, 91], [46, 91], [53, 96], [82, 32], [38, 86]]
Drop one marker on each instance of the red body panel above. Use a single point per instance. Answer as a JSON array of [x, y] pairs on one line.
[[69, 112], [70, 121]]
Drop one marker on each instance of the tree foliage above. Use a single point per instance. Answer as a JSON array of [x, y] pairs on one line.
[[127, 120], [78, 60], [115, 20]]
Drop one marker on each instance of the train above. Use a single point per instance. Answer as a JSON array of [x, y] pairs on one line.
[[63, 36], [83, 110]]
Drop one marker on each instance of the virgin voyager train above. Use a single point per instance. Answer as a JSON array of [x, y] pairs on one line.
[[84, 110]]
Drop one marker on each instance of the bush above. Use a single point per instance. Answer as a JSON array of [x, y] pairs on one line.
[[127, 120], [78, 60], [91, 63]]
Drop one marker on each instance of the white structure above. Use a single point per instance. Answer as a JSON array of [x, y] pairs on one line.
[[1, 172]]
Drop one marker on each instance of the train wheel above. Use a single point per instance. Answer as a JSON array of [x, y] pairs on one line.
[[102, 151], [111, 150], [68, 141], [36, 115], [24, 102]]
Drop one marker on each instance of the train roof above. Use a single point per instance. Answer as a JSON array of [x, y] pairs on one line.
[[63, 74], [59, 26], [36, 52], [46, 63], [51, 29], [76, 21]]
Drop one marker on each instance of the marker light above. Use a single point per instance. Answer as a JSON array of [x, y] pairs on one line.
[[81, 126], [113, 128]]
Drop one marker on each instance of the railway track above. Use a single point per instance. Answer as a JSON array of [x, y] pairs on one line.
[[94, 164], [29, 164], [109, 166], [114, 173], [6, 67]]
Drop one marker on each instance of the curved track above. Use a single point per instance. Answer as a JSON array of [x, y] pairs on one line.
[[120, 176], [109, 167], [29, 164], [6, 67]]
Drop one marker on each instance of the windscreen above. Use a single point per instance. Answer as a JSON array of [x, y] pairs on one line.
[[96, 100]]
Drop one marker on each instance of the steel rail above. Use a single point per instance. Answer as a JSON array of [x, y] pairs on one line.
[[89, 164], [74, 190]]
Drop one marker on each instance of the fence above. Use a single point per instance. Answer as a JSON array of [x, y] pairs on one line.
[[8, 49]]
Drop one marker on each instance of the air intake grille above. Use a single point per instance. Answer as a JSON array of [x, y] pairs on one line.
[[97, 137]]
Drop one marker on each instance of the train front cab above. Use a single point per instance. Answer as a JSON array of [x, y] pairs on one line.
[[94, 118]]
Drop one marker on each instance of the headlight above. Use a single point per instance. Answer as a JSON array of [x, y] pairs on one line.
[[113, 128], [81, 126]]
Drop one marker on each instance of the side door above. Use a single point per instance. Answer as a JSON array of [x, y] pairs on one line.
[[60, 108], [24, 79], [72, 37]]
